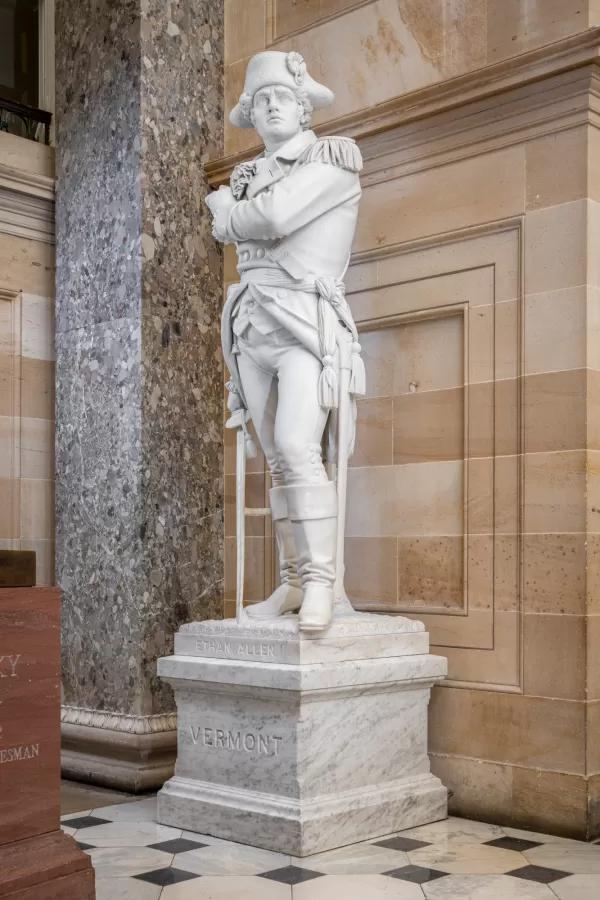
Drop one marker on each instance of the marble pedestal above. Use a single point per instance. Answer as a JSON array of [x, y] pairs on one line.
[[301, 744]]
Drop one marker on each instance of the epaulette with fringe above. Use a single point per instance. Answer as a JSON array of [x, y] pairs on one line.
[[336, 151]]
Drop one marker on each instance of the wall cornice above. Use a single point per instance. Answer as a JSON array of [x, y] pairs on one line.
[[572, 63], [26, 204]]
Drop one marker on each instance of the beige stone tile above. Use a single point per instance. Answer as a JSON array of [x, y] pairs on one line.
[[593, 574], [508, 728], [514, 27], [554, 656], [492, 418], [374, 433], [371, 570], [550, 801], [593, 731], [255, 498], [245, 22], [593, 657], [555, 411], [556, 168], [27, 156], [417, 499], [492, 495], [27, 265], [443, 199], [506, 340], [44, 560], [482, 344], [555, 247], [554, 574], [593, 327], [425, 355], [10, 441], [593, 154], [555, 330], [593, 275], [37, 508], [477, 788], [465, 36], [431, 572], [555, 485], [37, 388], [428, 426], [365, 57], [9, 515], [37, 448], [593, 491], [237, 139], [37, 327], [506, 573], [593, 409], [254, 569], [492, 572], [455, 636]]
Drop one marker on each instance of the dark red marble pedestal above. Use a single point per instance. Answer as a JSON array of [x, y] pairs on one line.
[[37, 861]]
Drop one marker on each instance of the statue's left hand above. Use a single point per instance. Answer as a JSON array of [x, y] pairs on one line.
[[220, 204]]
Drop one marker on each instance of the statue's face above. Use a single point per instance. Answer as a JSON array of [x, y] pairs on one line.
[[276, 114]]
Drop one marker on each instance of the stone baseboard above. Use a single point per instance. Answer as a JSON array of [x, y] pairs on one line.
[[302, 828], [128, 753]]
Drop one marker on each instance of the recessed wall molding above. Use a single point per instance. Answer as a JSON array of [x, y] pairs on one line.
[[26, 204]]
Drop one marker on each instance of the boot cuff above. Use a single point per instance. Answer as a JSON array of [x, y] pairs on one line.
[[312, 501], [279, 508]]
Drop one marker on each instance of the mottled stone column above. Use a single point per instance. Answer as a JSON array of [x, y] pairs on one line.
[[139, 369]]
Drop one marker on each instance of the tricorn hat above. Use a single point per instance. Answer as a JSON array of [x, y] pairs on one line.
[[275, 67]]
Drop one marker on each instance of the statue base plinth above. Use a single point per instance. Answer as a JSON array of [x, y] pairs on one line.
[[302, 743]]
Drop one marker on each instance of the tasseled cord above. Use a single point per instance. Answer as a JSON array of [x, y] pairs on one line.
[[328, 380], [358, 378]]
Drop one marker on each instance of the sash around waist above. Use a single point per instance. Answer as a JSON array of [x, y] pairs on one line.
[[274, 278]]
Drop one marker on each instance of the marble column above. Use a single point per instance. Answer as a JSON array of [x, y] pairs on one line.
[[139, 486]]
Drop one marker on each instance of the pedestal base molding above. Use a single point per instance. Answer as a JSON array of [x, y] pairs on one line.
[[127, 753], [47, 867], [300, 743]]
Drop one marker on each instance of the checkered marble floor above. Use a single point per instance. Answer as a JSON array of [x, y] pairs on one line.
[[137, 859]]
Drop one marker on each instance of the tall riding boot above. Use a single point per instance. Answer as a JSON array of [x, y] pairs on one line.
[[288, 596], [313, 511]]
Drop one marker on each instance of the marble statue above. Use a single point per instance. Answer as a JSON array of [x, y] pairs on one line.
[[289, 339]]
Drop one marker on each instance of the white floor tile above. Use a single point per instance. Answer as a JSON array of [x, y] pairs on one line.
[[128, 834], [486, 887], [230, 859], [232, 888], [356, 887], [118, 862], [77, 815], [536, 836], [359, 859], [578, 858], [137, 811], [125, 889], [578, 887], [68, 830], [455, 830], [467, 859]]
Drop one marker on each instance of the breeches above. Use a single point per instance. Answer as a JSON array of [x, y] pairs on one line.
[[280, 381]]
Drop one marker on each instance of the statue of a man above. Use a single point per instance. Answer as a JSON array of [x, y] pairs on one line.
[[292, 214]]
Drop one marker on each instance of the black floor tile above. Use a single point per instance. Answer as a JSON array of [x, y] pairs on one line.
[[416, 874], [291, 875], [178, 845], [402, 843], [510, 843], [539, 873], [85, 846], [164, 877], [85, 822]]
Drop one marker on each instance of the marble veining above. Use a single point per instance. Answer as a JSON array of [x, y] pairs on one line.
[[139, 462]]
